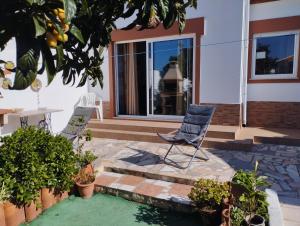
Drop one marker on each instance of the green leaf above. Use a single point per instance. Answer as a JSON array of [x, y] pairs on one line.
[[39, 27], [59, 56], [22, 81], [77, 33], [70, 9], [48, 59]]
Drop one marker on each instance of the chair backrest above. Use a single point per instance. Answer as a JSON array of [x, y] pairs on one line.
[[88, 99], [77, 122], [196, 121]]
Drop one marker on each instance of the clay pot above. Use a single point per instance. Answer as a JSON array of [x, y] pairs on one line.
[[226, 217], [2, 216], [14, 216], [225, 203], [48, 198], [62, 196], [32, 211], [88, 169], [85, 190]]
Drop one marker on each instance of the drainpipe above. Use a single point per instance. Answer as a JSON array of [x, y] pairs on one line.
[[244, 59]]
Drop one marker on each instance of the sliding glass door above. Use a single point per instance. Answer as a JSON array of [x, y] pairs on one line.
[[172, 76], [154, 78]]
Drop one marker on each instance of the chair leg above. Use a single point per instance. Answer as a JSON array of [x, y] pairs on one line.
[[168, 152], [190, 162]]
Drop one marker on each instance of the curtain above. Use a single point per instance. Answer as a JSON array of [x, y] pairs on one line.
[[131, 82]]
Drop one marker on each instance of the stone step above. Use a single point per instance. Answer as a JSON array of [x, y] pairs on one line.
[[209, 142], [214, 131], [150, 175], [277, 140], [157, 193]]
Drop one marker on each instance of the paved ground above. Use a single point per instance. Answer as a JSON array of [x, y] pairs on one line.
[[280, 163]]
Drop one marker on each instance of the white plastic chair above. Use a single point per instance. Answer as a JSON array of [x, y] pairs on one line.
[[89, 100]]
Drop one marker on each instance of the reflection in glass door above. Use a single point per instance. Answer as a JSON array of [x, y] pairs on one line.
[[154, 77], [172, 76]]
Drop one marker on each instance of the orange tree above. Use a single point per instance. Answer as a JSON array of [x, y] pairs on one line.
[[68, 35]]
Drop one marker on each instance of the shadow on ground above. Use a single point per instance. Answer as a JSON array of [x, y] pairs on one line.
[[155, 216]]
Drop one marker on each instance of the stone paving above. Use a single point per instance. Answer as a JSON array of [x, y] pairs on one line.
[[279, 162]]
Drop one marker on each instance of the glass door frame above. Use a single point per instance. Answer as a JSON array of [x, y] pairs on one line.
[[149, 63]]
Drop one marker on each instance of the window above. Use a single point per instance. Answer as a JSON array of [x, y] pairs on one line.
[[275, 56]]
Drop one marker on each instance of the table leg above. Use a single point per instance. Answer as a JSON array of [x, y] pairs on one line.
[[46, 122], [24, 122]]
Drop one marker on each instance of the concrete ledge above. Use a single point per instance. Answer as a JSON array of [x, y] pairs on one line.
[[274, 209]]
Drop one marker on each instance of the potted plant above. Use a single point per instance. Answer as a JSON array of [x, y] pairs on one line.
[[60, 162], [85, 183], [86, 158], [207, 196], [4, 197], [253, 200], [19, 156]]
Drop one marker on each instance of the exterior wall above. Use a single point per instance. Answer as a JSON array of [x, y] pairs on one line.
[[274, 103], [220, 51], [219, 74], [56, 95], [274, 114]]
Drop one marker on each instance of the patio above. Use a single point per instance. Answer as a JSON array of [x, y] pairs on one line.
[[280, 163]]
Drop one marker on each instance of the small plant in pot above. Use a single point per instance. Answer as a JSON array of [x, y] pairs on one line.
[[85, 183], [86, 158], [253, 200], [207, 195]]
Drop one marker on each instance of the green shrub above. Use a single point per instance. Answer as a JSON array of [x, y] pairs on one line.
[[4, 190], [20, 159], [209, 193], [32, 159], [254, 199], [60, 161]]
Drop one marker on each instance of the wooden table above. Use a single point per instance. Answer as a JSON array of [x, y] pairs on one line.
[[44, 123]]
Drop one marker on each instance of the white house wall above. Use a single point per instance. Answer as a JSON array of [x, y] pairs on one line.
[[56, 95], [220, 51], [284, 92]]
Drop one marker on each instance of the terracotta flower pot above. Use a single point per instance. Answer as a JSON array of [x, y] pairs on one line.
[[32, 211], [2, 216], [48, 198], [226, 217], [85, 190], [88, 169], [14, 216], [62, 196]]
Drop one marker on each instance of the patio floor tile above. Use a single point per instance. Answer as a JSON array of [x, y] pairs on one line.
[[105, 180], [149, 189], [180, 189], [131, 180]]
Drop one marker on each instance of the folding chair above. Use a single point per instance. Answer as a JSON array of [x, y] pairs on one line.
[[192, 131]]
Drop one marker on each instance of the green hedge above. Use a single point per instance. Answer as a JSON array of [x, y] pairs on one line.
[[32, 159]]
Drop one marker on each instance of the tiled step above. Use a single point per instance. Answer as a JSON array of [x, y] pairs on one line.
[[209, 142], [224, 132], [158, 193]]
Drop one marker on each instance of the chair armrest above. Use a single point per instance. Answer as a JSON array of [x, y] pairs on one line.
[[173, 132]]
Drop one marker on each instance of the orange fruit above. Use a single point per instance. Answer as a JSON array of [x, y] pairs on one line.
[[51, 40]]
